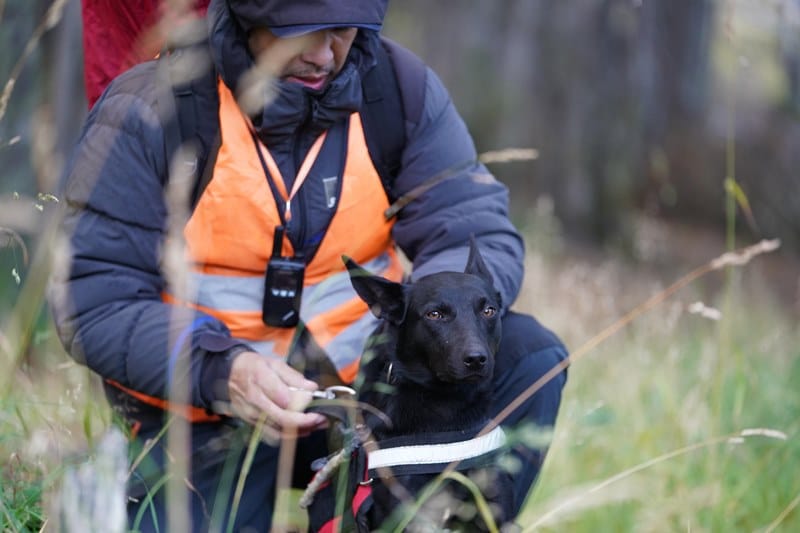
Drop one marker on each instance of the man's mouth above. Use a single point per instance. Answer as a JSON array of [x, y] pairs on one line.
[[312, 82]]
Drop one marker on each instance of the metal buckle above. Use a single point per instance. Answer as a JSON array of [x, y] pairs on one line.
[[333, 392], [337, 391]]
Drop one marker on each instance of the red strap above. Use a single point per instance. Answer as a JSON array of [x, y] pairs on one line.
[[334, 524], [331, 526], [362, 493]]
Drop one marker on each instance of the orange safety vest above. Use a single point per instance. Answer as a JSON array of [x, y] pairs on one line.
[[229, 241]]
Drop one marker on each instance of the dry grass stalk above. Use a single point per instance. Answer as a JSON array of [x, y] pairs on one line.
[[547, 518], [508, 155], [736, 258]]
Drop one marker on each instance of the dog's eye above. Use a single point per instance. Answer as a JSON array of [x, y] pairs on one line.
[[434, 315], [489, 311]]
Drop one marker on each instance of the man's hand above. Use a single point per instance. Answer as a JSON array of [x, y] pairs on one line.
[[266, 388]]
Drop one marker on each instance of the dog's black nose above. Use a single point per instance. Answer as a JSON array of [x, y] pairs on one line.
[[475, 361]]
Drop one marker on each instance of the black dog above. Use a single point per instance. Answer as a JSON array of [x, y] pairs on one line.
[[430, 374]]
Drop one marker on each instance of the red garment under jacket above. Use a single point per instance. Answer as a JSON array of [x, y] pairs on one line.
[[117, 34]]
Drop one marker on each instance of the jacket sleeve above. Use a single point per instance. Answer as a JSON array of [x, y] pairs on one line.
[[106, 288], [434, 229]]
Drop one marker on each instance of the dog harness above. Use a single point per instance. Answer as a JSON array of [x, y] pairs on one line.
[[428, 453], [431, 453]]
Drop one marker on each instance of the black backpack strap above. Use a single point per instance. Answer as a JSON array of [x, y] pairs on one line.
[[394, 96], [192, 115]]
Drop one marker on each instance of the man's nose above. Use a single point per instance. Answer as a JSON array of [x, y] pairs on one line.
[[319, 50]]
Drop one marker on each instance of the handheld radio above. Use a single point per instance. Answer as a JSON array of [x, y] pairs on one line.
[[283, 286]]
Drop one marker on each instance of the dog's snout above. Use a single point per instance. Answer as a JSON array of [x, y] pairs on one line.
[[475, 361]]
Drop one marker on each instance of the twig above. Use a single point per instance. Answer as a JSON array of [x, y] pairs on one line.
[[14, 237], [49, 21], [321, 477], [508, 155]]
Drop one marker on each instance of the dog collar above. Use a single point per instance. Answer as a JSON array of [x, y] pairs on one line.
[[432, 458]]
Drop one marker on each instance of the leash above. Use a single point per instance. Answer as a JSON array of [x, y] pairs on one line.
[[337, 404], [342, 473]]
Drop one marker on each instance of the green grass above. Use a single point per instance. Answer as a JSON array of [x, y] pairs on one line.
[[671, 381], [20, 496], [644, 438], [50, 416]]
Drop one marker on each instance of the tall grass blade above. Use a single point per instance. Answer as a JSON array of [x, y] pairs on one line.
[[782, 516], [252, 446]]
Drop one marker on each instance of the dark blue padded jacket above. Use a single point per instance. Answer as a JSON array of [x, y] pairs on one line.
[[106, 293]]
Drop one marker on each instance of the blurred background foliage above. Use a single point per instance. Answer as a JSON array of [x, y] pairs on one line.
[[641, 111], [629, 102], [632, 106]]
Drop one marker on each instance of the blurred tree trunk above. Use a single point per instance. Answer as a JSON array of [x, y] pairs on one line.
[[592, 84], [63, 108], [789, 47]]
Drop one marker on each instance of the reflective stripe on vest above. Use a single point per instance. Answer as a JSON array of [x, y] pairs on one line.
[[229, 240]]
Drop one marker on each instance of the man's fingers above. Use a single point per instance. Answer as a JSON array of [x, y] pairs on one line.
[[283, 418], [276, 378], [259, 404], [263, 387], [292, 377]]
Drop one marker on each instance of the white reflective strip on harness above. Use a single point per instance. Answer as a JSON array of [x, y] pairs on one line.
[[426, 454]]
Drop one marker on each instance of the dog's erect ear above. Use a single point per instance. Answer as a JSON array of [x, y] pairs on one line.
[[386, 299], [475, 264]]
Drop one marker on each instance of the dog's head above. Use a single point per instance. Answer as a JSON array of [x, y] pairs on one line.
[[447, 324]]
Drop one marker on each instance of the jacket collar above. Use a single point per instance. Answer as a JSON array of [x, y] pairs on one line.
[[294, 110]]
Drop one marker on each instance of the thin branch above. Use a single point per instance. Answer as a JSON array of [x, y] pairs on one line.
[[14, 237], [735, 258], [789, 508], [49, 21]]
